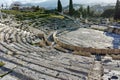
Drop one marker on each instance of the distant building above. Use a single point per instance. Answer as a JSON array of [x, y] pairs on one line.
[[16, 6], [105, 21]]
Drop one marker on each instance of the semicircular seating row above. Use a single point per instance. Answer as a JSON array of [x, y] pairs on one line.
[[35, 63]]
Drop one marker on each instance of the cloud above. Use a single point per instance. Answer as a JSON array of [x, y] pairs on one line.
[[94, 1], [8, 2], [64, 2], [31, 1]]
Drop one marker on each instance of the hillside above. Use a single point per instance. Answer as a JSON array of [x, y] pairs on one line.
[[47, 45], [43, 21]]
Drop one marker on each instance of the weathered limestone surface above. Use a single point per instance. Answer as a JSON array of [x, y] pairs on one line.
[[91, 38], [96, 72], [24, 61]]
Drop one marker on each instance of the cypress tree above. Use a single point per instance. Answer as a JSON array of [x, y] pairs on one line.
[[71, 9], [2, 6], [88, 11], [59, 7], [117, 11]]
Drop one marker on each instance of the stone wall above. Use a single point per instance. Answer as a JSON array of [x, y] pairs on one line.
[[115, 30], [78, 48]]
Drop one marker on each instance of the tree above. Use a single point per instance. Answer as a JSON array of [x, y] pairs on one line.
[[81, 11], [36, 8], [88, 11], [76, 14], [2, 6], [117, 11], [92, 13], [15, 5], [84, 13], [108, 13], [71, 9], [59, 6]]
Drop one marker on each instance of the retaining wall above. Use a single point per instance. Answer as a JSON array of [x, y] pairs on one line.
[[78, 48], [114, 30]]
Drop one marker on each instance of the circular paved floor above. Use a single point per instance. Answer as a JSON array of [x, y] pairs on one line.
[[92, 38]]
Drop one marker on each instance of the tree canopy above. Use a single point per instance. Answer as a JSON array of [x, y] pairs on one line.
[[59, 6], [71, 9], [117, 11], [108, 13]]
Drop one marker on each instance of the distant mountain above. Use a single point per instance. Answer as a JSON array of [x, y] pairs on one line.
[[49, 4], [98, 8], [52, 5], [27, 5], [76, 6], [46, 5]]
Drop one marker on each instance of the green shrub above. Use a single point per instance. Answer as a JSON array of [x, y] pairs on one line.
[[26, 15], [2, 64]]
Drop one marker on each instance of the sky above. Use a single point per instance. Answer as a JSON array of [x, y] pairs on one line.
[[64, 2]]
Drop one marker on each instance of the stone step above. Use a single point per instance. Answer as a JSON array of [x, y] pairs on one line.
[[7, 68], [42, 70]]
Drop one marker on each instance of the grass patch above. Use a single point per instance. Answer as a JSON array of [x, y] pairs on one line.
[[27, 15], [2, 64], [57, 16]]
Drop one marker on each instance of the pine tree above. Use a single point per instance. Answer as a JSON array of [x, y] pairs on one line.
[[117, 11], [59, 7], [71, 9]]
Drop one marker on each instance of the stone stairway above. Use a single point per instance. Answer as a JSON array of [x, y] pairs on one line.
[[24, 61]]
